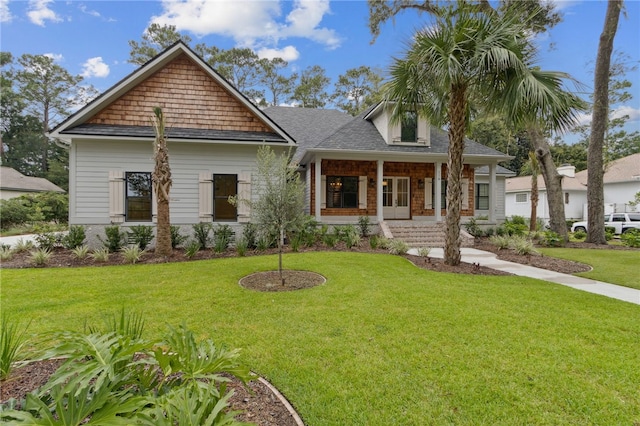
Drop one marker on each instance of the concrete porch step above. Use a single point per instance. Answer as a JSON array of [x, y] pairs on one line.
[[423, 234]]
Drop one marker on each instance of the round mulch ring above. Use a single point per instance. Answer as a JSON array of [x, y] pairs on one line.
[[270, 280]]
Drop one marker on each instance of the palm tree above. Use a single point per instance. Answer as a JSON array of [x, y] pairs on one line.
[[161, 184], [473, 58], [533, 166]]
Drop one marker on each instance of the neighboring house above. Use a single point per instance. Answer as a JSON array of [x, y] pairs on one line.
[[621, 183], [14, 184], [353, 166]]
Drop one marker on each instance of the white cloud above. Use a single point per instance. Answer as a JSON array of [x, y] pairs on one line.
[[255, 24], [39, 12], [288, 53], [5, 13], [57, 57], [95, 67], [83, 8], [633, 113]]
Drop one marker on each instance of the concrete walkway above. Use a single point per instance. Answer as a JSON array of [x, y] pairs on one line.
[[488, 259]]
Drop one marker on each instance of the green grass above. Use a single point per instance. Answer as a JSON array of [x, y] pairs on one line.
[[612, 266], [382, 342]]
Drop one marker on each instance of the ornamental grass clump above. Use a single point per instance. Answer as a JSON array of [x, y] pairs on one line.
[[6, 253], [132, 254], [398, 247], [501, 241], [100, 255], [523, 246], [80, 252], [12, 340], [40, 257], [23, 245]]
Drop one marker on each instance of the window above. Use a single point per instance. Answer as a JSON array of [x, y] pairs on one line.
[[409, 127], [443, 194], [618, 218], [224, 186], [138, 197], [521, 197], [342, 192], [566, 198], [482, 196], [634, 217]]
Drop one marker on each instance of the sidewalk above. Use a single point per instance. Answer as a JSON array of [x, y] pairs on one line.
[[488, 259]]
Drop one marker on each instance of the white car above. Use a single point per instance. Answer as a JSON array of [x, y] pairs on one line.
[[621, 222]]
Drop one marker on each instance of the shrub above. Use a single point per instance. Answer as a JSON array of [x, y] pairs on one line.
[[398, 247], [330, 240], [40, 257], [140, 235], [201, 233], [515, 226], [116, 238], [176, 237], [250, 235], [374, 242], [74, 238], [12, 339], [551, 239], [80, 252], [364, 223], [500, 241], [295, 240], [222, 236], [241, 246], [132, 254], [263, 243], [352, 240], [308, 231], [192, 247], [580, 235], [472, 228], [47, 240], [609, 232], [13, 212], [489, 231], [101, 255], [631, 238]]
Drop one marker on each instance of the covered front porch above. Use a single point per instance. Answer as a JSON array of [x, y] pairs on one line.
[[386, 190]]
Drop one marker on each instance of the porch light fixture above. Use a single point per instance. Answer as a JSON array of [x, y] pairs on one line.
[[421, 183], [372, 183]]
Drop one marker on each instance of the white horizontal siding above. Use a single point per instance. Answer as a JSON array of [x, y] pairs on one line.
[[94, 160]]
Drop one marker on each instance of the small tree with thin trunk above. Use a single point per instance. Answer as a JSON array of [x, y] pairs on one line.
[[161, 184], [279, 203]]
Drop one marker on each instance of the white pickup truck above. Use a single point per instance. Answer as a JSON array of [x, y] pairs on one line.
[[622, 222]]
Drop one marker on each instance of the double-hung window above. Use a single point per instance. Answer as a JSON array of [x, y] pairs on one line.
[[224, 186], [522, 197], [409, 127], [138, 197], [482, 196], [342, 192]]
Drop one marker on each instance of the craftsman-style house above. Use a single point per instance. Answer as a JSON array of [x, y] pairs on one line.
[[352, 166]]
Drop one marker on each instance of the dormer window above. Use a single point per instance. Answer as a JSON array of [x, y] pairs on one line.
[[409, 127]]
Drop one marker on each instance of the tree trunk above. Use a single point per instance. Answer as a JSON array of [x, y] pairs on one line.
[[162, 185], [457, 115], [280, 245], [595, 177], [163, 229], [533, 222], [553, 184]]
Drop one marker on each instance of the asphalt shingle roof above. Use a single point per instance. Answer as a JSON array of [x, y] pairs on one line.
[[334, 130], [11, 179]]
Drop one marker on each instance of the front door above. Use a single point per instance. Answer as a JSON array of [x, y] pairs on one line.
[[395, 198]]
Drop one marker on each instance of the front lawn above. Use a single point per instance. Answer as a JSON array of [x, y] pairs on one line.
[[382, 342], [620, 267]]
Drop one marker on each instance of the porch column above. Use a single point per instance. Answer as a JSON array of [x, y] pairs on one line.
[[379, 176], [318, 185], [437, 189], [493, 205]]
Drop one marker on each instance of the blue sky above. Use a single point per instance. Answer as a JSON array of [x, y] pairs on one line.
[[91, 37]]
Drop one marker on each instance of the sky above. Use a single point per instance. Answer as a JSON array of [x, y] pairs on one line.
[[90, 38]]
